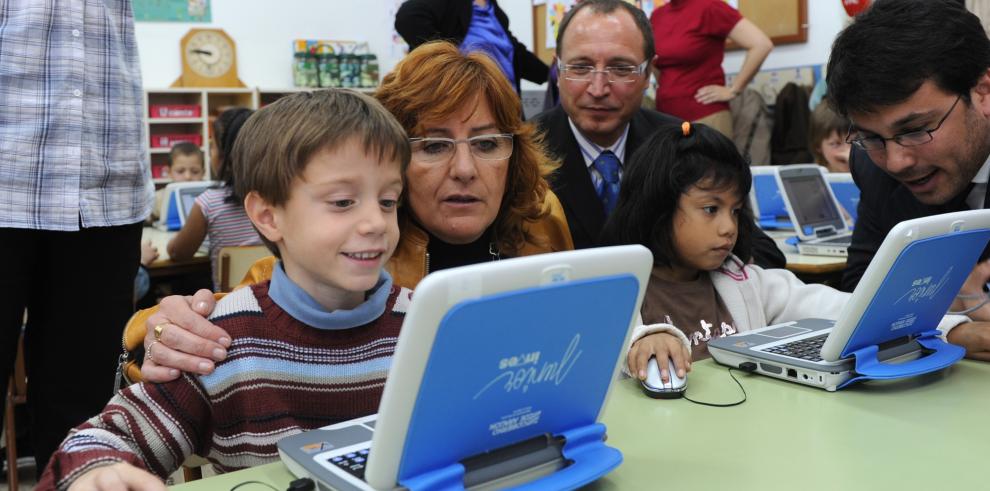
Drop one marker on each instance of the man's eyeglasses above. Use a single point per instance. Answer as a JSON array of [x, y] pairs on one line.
[[614, 74], [484, 147], [906, 139]]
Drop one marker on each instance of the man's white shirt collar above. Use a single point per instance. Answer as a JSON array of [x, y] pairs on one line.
[[590, 151]]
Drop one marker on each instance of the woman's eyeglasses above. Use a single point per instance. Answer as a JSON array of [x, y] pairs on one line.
[[484, 147]]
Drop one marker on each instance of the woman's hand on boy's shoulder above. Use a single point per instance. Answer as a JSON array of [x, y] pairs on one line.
[[116, 477], [180, 339]]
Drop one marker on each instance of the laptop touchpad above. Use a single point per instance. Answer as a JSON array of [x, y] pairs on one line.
[[783, 332], [350, 435]]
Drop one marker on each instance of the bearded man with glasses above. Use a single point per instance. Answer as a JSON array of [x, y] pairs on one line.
[[604, 48], [913, 77]]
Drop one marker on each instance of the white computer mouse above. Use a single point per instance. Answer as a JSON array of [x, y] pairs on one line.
[[654, 387]]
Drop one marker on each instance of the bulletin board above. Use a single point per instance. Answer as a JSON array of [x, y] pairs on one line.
[[785, 21], [540, 34]]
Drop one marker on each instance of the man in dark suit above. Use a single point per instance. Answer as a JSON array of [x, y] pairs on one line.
[[602, 116], [920, 125]]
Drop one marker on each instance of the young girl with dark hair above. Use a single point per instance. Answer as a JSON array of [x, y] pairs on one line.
[[683, 196]]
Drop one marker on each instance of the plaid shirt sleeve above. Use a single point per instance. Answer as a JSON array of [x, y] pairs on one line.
[[72, 148]]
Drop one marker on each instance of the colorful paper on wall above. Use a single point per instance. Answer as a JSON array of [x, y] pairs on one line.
[[172, 10]]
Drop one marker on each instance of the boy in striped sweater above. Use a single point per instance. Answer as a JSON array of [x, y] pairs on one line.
[[311, 347]]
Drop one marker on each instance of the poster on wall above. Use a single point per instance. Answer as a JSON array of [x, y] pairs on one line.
[[172, 10], [398, 47], [555, 14]]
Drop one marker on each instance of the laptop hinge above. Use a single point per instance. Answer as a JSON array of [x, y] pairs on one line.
[[939, 355], [572, 459], [826, 231]]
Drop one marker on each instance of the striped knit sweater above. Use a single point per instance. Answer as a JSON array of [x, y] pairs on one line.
[[280, 377]]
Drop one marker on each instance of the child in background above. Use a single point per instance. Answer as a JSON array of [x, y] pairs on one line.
[[827, 138], [217, 212], [321, 174], [185, 163]]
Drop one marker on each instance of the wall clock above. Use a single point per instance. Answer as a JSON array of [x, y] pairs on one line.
[[209, 59]]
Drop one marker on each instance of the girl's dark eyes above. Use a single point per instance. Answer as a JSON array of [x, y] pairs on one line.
[[710, 209]]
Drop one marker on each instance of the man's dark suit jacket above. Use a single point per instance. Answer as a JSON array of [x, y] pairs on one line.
[[883, 203], [572, 182]]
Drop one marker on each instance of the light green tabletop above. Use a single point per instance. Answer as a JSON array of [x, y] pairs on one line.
[[930, 432]]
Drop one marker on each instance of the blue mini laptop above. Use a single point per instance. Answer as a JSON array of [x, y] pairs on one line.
[[887, 329], [179, 199], [768, 204], [499, 378], [845, 191]]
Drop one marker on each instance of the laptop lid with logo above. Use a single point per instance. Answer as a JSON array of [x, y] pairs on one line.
[[495, 354], [911, 281]]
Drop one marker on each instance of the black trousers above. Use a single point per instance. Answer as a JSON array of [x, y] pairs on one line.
[[78, 290]]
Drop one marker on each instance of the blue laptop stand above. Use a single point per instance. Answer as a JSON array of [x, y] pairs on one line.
[[773, 211], [515, 366], [925, 274], [172, 220], [848, 196]]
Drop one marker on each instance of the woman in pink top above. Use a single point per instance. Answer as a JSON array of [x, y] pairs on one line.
[[690, 42]]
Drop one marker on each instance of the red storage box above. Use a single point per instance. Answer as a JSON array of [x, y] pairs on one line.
[[168, 140], [175, 111], [159, 170]]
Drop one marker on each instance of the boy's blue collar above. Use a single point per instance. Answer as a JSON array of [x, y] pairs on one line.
[[301, 306]]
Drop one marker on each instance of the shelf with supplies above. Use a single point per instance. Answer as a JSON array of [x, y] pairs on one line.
[[179, 114]]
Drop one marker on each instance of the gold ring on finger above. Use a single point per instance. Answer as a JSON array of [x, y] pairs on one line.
[[159, 329]]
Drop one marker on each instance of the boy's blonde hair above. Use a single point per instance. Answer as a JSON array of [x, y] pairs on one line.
[[276, 143], [824, 121]]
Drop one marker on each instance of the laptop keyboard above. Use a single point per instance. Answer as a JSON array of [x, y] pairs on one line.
[[806, 349], [352, 463]]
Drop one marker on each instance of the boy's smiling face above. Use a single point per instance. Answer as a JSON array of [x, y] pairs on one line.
[[339, 226]]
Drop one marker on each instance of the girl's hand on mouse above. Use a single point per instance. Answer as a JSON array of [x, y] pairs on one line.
[[664, 347]]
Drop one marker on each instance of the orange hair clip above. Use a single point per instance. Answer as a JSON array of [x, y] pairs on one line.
[[686, 128]]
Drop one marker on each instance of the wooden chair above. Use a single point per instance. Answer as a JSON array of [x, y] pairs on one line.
[[235, 262], [16, 394]]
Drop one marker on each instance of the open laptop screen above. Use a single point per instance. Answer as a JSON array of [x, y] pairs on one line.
[[813, 206], [187, 196]]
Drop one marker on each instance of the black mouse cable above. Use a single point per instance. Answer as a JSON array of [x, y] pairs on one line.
[[747, 367]]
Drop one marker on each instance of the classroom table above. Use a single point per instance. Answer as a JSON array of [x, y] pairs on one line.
[[927, 432], [811, 269], [164, 266]]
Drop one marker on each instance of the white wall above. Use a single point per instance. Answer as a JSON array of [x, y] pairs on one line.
[[264, 30], [825, 19]]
